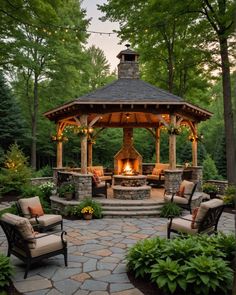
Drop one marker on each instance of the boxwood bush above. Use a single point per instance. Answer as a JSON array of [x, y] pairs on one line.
[[189, 265]]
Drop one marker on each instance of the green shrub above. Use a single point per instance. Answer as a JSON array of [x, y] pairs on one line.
[[230, 195], [209, 188], [28, 191], [188, 263], [45, 171], [144, 254], [205, 274], [6, 271], [76, 210], [209, 169], [168, 275], [12, 210], [65, 188], [15, 172], [170, 210]]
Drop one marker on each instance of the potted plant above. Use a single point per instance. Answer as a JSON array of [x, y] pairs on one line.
[[87, 212], [210, 189], [67, 191]]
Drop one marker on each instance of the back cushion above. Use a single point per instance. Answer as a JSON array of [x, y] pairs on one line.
[[156, 171], [28, 202], [187, 187], [23, 225], [204, 208]]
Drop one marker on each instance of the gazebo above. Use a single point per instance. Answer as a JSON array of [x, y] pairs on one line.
[[128, 103]]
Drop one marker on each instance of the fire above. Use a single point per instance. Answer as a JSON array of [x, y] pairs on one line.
[[128, 169]]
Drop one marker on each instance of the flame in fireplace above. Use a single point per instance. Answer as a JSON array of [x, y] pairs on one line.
[[128, 169]]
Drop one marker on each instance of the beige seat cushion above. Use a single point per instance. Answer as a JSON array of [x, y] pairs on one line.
[[204, 208], [101, 184], [177, 199], [105, 178], [46, 219], [23, 225], [28, 202], [184, 226]]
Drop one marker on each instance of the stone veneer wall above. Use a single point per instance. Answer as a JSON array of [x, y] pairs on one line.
[[221, 184], [173, 179], [197, 177], [83, 185], [131, 193], [40, 180]]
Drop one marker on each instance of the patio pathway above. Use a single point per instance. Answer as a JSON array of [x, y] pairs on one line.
[[96, 261]]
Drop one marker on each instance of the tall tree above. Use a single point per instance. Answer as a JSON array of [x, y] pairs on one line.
[[11, 120], [49, 42]]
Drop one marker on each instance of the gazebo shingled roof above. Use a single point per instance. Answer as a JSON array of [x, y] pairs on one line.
[[129, 102]]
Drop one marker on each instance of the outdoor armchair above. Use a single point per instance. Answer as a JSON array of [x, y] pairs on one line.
[[184, 196], [204, 219], [30, 246], [31, 208]]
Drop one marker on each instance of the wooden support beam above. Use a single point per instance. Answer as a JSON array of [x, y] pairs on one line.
[[172, 145], [90, 154], [84, 122], [94, 121], [158, 145]]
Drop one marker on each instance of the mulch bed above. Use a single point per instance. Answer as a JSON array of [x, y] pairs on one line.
[[10, 290]]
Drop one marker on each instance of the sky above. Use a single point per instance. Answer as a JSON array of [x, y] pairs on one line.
[[108, 44]]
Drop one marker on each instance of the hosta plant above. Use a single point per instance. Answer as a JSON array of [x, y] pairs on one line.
[[170, 210], [144, 254], [205, 274], [6, 271], [168, 275]]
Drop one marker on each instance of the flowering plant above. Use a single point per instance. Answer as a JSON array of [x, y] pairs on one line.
[[47, 188], [87, 210]]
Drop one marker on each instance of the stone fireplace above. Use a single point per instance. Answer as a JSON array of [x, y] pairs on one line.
[[128, 161]]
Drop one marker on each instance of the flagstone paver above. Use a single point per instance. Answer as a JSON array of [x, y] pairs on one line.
[[96, 259]]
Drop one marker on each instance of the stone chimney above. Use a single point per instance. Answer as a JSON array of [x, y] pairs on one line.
[[128, 67]]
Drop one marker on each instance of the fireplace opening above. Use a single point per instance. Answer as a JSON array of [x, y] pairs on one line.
[[129, 167]]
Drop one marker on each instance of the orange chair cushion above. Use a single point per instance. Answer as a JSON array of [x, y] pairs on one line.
[[194, 215], [36, 211]]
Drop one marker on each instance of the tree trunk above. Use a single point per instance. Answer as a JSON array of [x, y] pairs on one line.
[[228, 112], [34, 124]]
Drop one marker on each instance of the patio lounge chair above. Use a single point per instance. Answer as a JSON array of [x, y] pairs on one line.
[[28, 207], [28, 245], [185, 195], [204, 219], [98, 186]]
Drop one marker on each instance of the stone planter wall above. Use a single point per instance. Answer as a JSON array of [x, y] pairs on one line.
[[173, 178], [221, 185], [83, 185], [40, 180], [197, 177]]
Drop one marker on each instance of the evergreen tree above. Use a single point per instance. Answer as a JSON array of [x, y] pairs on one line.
[[209, 169], [11, 121]]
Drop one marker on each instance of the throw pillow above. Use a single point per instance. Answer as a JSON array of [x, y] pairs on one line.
[[156, 171], [96, 179], [180, 192], [194, 215], [36, 211], [97, 172]]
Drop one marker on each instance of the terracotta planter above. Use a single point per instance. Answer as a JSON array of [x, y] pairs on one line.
[[87, 216]]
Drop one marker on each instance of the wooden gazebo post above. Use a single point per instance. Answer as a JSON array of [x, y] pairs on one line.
[[90, 153], [59, 146], [157, 144], [194, 145], [84, 123], [172, 144]]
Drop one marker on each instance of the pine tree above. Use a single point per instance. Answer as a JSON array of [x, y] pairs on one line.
[[11, 121]]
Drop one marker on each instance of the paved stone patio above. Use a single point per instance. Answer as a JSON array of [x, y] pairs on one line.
[[96, 261]]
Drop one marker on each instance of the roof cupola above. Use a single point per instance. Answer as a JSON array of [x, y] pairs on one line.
[[128, 67]]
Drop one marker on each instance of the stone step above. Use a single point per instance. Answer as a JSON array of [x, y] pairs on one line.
[[114, 202], [154, 213], [131, 208]]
